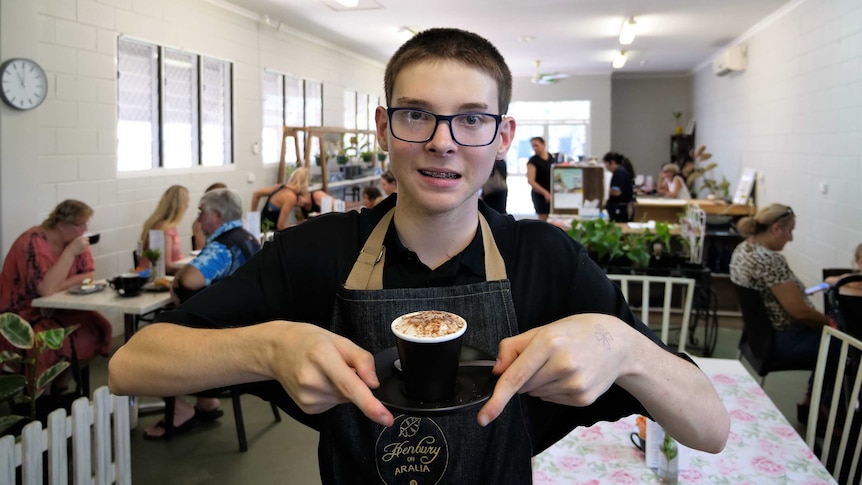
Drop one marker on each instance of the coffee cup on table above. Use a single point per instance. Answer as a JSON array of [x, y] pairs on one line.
[[429, 346], [93, 238], [127, 284]]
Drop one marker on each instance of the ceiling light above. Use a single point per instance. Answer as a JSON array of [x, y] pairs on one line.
[[349, 3], [627, 33], [619, 60]]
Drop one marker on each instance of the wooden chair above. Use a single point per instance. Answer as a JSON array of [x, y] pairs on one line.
[[757, 336], [669, 284], [843, 463]]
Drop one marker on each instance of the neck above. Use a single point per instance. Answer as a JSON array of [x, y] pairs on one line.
[[436, 238], [55, 239], [763, 240]]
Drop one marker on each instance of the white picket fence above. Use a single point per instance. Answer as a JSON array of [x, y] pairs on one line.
[[96, 458]]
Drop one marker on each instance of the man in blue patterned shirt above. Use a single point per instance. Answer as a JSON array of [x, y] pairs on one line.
[[228, 246]]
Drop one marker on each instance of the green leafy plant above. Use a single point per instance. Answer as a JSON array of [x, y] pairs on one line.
[[152, 255], [381, 156], [366, 156], [27, 387], [608, 243]]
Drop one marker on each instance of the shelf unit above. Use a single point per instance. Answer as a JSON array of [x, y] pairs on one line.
[[323, 134]]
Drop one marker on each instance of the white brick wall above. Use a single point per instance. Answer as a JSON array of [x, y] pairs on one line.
[[795, 115]]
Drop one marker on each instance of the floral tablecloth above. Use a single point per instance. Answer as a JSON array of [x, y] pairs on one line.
[[763, 448]]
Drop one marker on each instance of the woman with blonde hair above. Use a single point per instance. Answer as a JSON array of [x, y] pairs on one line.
[[168, 214], [282, 199], [757, 263], [672, 184]]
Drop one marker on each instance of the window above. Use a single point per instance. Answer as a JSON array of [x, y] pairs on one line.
[[288, 101], [273, 116], [564, 125], [174, 108]]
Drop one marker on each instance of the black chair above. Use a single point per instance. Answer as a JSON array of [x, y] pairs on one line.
[[757, 336], [234, 393], [827, 272], [846, 309]]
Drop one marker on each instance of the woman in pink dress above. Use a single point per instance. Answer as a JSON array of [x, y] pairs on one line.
[[168, 214], [47, 259]]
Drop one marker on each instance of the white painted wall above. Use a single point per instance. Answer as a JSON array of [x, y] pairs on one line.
[[66, 148], [642, 120], [596, 89], [795, 115]]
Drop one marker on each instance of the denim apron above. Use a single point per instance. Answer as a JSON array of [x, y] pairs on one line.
[[418, 450]]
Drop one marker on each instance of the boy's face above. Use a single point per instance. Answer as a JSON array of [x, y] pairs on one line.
[[439, 175]]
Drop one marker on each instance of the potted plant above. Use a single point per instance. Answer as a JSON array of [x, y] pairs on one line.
[[26, 388], [153, 256], [367, 157], [610, 248], [677, 116]]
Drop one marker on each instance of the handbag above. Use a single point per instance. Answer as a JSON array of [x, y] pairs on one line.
[[495, 183]]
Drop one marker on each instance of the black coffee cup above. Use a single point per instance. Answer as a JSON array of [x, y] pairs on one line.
[[94, 238], [638, 441], [429, 363], [127, 284]]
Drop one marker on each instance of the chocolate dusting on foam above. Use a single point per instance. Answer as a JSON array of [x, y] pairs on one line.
[[430, 323]]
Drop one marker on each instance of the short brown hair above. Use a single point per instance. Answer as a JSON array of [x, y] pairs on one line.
[[457, 45], [71, 211]]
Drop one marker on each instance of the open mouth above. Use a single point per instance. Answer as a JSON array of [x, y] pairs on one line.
[[439, 175]]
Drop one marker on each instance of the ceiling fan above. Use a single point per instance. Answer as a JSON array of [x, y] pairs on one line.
[[546, 78]]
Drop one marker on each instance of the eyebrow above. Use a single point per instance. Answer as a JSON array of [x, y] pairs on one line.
[[420, 103]]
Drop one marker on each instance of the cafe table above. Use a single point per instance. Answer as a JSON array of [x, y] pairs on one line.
[[132, 307], [763, 447]]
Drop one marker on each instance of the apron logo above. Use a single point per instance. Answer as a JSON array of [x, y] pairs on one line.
[[412, 451]]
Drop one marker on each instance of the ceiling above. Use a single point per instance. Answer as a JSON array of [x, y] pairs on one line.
[[575, 37]]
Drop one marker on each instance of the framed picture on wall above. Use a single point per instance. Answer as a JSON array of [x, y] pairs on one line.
[[745, 186]]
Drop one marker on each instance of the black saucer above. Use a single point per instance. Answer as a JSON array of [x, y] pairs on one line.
[[475, 385]]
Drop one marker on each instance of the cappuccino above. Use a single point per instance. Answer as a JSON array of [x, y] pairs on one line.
[[429, 325]]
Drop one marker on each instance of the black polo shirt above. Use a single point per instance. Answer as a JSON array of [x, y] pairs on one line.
[[295, 277]]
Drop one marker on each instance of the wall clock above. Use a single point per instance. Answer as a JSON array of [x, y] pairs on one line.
[[23, 84]]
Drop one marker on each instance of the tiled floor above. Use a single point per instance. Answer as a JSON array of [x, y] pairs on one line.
[[286, 452]]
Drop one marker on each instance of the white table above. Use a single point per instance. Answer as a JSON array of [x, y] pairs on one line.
[[763, 448], [132, 307]]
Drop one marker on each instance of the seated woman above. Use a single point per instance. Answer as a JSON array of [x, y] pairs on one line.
[[311, 204], [170, 211], [855, 286], [48, 259], [371, 196], [671, 183], [757, 263], [388, 184], [281, 200]]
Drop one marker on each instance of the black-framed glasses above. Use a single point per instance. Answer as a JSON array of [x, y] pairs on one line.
[[467, 129]]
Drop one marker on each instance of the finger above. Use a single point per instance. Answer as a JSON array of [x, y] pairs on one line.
[[356, 386], [510, 383], [509, 350]]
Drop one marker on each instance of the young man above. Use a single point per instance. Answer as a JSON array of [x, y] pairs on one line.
[[568, 349]]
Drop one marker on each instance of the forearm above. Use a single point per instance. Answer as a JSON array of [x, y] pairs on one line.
[[165, 359], [665, 383], [55, 278]]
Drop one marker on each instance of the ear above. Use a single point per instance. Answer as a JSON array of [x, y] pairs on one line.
[[381, 119], [507, 135]]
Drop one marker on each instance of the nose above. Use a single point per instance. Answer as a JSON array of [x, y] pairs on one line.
[[442, 139]]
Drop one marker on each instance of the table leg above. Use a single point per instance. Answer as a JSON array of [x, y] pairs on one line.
[[130, 322]]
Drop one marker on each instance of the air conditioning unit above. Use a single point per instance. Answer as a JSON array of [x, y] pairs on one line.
[[730, 60]]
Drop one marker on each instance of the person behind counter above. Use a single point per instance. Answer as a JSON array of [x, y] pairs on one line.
[[671, 184], [307, 314], [388, 183], [539, 177], [621, 192], [47, 259], [282, 199], [757, 263]]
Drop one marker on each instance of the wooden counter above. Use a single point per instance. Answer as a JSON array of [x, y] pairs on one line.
[[668, 210]]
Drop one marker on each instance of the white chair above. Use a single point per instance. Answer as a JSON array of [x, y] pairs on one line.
[[669, 282], [839, 393]]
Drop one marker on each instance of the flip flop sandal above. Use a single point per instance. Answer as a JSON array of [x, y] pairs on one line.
[[189, 424]]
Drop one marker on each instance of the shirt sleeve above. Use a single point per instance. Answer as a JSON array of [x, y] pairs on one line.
[[213, 262]]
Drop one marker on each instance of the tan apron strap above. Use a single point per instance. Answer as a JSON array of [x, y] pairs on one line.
[[495, 268], [367, 272]]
